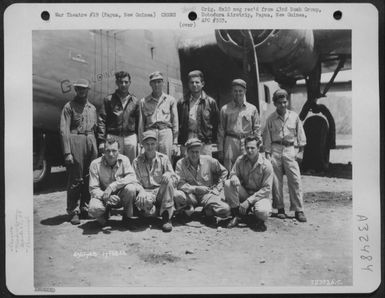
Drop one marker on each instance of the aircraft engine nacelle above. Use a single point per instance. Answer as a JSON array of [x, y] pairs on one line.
[[289, 53]]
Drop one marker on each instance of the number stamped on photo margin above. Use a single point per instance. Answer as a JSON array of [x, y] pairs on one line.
[[366, 259]]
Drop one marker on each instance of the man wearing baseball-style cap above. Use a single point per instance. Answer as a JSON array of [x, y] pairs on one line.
[[237, 119], [77, 128], [201, 179], [157, 180], [158, 112]]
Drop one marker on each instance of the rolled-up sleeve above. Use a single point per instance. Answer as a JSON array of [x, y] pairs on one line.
[[301, 137], [221, 172], [183, 185], [65, 123], [236, 169], [168, 168], [267, 137], [174, 119], [94, 184], [256, 123], [266, 185]]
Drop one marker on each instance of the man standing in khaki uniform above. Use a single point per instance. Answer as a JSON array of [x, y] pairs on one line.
[[198, 115], [157, 180], [119, 117], [237, 120], [113, 184], [283, 130], [201, 179], [158, 112], [249, 186], [77, 129]]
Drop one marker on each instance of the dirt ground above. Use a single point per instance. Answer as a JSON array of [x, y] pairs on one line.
[[194, 255]]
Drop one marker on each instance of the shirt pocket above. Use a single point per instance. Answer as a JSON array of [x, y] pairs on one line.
[[165, 109], [292, 130], [158, 173], [246, 120], [277, 127]]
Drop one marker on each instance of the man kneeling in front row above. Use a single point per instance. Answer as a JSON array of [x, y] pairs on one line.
[[249, 186], [157, 180], [112, 184], [201, 179]]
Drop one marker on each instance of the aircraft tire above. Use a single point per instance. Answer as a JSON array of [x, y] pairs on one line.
[[316, 153], [41, 175]]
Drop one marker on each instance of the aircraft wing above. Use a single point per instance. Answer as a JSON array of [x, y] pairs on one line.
[[283, 55]]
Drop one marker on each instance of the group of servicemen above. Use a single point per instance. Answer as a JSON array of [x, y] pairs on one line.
[[136, 140]]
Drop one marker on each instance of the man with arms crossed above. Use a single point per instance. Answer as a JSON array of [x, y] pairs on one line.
[[201, 179], [113, 184], [282, 131], [249, 186], [157, 180]]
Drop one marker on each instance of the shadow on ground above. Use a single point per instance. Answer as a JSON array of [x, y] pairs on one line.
[[55, 221], [336, 170], [56, 182]]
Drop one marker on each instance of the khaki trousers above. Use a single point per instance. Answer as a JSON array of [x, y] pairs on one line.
[[97, 208], [233, 148], [283, 161], [161, 199], [236, 195], [212, 204], [83, 150]]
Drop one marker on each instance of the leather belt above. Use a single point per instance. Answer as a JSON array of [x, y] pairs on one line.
[[86, 133], [283, 143], [159, 126], [121, 133], [236, 136]]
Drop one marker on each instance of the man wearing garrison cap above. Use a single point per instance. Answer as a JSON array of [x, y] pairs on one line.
[[198, 114], [238, 119], [157, 180], [77, 128], [158, 112], [282, 132], [201, 179]]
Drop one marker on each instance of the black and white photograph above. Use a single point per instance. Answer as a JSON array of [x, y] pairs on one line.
[[215, 156]]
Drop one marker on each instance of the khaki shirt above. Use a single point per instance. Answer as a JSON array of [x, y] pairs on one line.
[[161, 111], [76, 118], [283, 128], [237, 120], [150, 175], [257, 179], [102, 175], [209, 173]]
